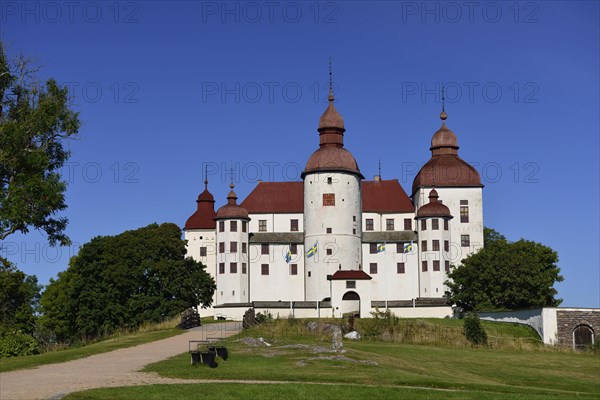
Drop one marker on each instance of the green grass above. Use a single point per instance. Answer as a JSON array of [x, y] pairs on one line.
[[118, 342]]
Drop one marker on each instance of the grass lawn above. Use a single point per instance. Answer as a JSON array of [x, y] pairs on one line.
[[52, 357], [401, 371]]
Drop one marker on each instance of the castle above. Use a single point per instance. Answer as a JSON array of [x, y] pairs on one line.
[[335, 243]]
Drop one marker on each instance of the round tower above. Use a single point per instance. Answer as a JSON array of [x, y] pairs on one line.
[[332, 207], [232, 252], [433, 227]]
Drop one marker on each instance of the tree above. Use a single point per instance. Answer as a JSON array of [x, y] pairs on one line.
[[19, 296], [491, 236], [35, 121], [123, 281], [506, 276]]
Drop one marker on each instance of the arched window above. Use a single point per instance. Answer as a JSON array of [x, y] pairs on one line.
[[583, 335], [351, 296]]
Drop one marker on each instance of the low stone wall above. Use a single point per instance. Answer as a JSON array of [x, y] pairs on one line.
[[569, 319]]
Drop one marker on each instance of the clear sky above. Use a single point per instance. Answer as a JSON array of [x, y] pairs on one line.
[[165, 88]]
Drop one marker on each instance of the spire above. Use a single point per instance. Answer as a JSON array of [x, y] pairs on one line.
[[206, 177], [331, 119], [443, 114], [231, 197], [379, 168], [330, 98]]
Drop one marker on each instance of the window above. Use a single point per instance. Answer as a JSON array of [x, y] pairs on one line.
[[407, 224], [423, 224], [244, 248], [221, 268], [294, 225], [464, 202], [221, 226], [389, 224], [262, 225], [447, 265], [329, 252], [264, 269], [424, 266], [329, 180], [244, 226], [221, 247], [372, 248], [329, 199], [233, 247], [264, 248], [233, 226], [293, 269], [423, 245], [309, 274], [244, 268], [354, 218], [435, 224], [202, 251], [373, 268], [464, 214], [400, 268], [328, 230], [436, 245], [436, 265], [294, 248], [446, 245], [465, 241], [399, 247], [233, 268], [354, 231], [369, 224], [446, 223], [350, 284]]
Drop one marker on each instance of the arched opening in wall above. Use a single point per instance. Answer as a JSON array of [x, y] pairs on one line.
[[583, 336], [351, 304]]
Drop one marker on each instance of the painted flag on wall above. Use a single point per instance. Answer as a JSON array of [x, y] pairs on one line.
[[312, 251], [288, 256], [407, 248], [381, 248]]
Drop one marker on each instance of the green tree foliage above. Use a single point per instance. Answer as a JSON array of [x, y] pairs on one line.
[[506, 276], [19, 296], [491, 236], [123, 281], [35, 121], [473, 330], [14, 342]]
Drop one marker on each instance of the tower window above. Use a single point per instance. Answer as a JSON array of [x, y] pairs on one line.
[[436, 265], [221, 226], [294, 248], [244, 248], [446, 225], [350, 284], [221, 247], [244, 268], [233, 247], [329, 251], [221, 268], [400, 268], [369, 224], [436, 245], [424, 266], [464, 202], [244, 226], [354, 231], [372, 248], [328, 199], [329, 180], [328, 230], [423, 245], [264, 248], [389, 224], [464, 213], [407, 224], [465, 241], [447, 265], [202, 251], [435, 224], [354, 218], [262, 225], [294, 225], [373, 268], [293, 269], [233, 226], [423, 224], [233, 268], [264, 269], [446, 245]]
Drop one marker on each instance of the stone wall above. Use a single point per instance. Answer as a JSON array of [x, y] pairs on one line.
[[568, 320]]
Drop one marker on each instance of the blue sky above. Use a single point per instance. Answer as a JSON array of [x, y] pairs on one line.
[[164, 88]]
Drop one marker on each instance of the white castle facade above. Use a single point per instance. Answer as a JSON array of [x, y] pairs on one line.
[[334, 243]]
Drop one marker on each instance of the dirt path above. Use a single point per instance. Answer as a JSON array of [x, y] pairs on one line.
[[115, 368]]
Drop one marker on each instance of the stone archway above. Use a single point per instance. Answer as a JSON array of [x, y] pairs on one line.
[[351, 303], [583, 336]]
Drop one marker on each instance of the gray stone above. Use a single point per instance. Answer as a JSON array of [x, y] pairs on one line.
[[352, 335], [338, 345]]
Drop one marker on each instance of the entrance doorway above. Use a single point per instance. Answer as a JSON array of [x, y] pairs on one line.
[[583, 336], [351, 304]]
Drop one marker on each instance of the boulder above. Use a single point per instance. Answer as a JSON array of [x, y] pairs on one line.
[[352, 335]]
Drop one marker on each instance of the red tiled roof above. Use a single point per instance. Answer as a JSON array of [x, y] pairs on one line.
[[275, 197], [288, 197], [360, 274], [385, 196], [204, 217]]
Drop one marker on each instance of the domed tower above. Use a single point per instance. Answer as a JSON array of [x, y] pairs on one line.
[[433, 227], [232, 252], [199, 231], [332, 206], [459, 186]]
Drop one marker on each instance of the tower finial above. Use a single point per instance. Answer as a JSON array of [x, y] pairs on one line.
[[443, 114], [205, 177], [330, 98], [231, 185], [379, 168]]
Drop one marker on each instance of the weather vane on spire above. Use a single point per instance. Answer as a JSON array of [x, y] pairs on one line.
[[330, 82], [231, 185], [443, 114], [379, 168], [205, 176]]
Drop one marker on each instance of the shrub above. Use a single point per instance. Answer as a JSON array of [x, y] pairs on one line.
[[262, 318], [16, 343], [474, 331]]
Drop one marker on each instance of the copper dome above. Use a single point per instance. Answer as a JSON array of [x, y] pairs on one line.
[[331, 118], [232, 210], [204, 216], [444, 137], [434, 208], [329, 158]]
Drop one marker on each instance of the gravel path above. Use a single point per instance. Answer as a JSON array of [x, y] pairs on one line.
[[115, 368]]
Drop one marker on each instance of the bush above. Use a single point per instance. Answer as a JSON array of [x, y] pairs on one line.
[[474, 331], [262, 318], [16, 343]]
